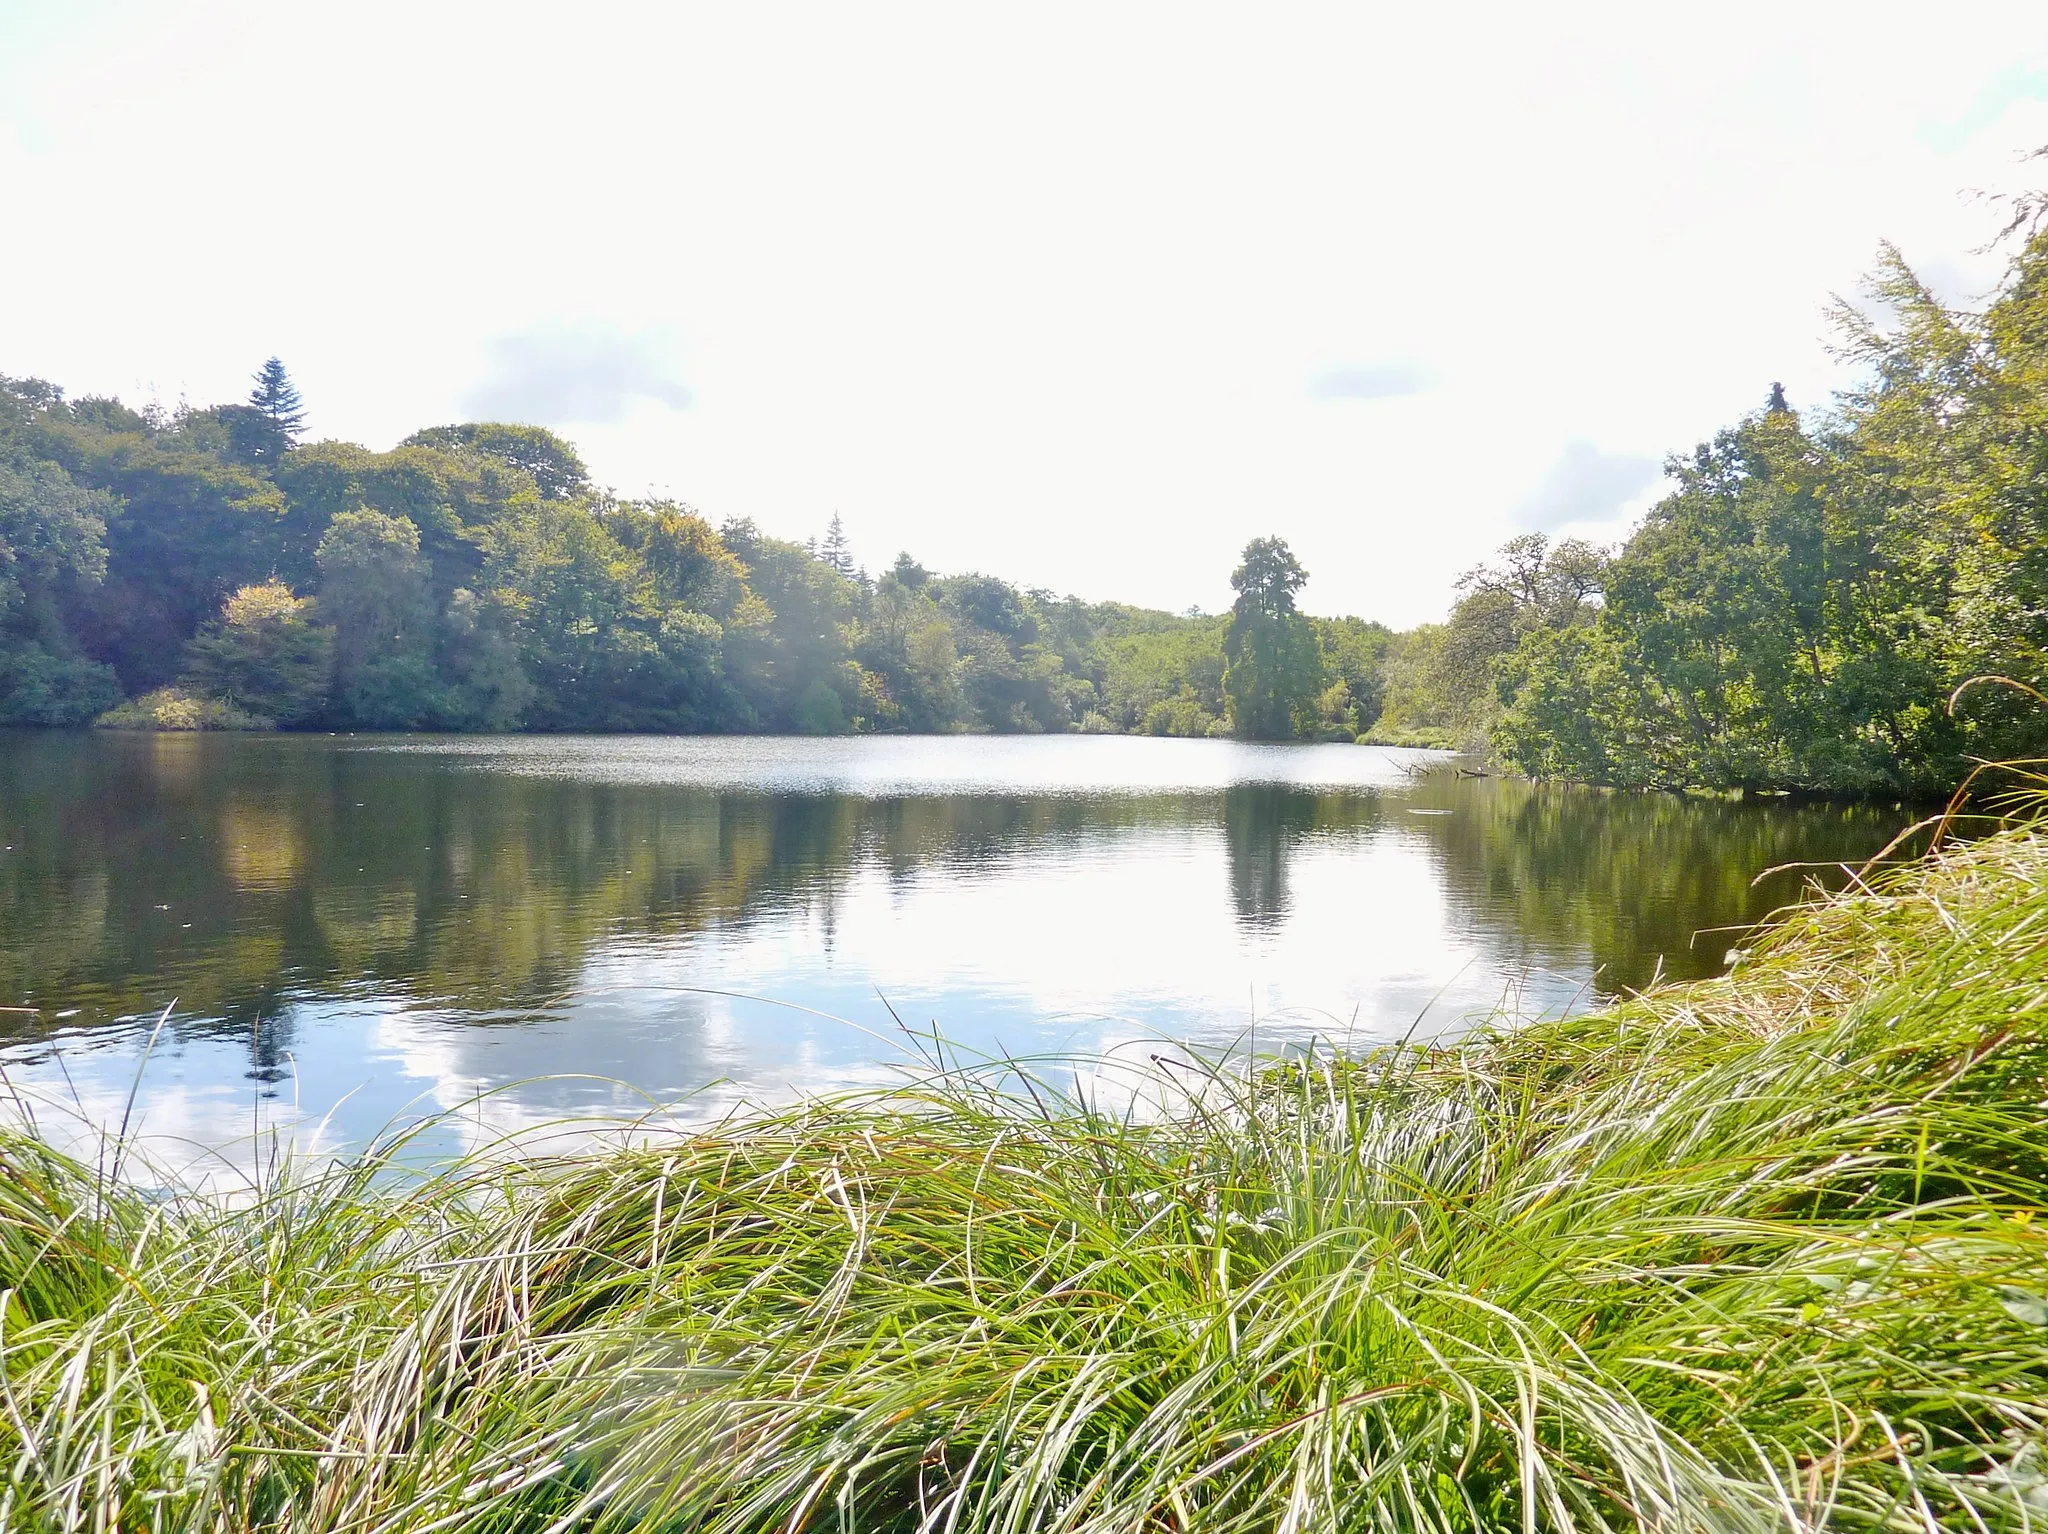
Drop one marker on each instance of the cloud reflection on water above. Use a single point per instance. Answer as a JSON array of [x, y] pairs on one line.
[[521, 929]]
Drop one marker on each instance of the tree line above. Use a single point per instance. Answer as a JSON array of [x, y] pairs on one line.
[[1797, 614], [210, 568]]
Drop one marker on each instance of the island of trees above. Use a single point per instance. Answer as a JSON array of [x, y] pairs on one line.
[[1796, 615]]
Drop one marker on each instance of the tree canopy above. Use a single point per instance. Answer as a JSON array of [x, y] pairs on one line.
[[1272, 669], [1797, 612]]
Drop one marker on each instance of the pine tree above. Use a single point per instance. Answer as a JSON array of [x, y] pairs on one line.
[[275, 399], [835, 552]]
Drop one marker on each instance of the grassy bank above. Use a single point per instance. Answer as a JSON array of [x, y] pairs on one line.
[[1766, 1253]]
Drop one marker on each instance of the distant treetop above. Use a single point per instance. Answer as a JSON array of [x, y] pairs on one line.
[[553, 463], [835, 550], [1268, 578], [277, 401]]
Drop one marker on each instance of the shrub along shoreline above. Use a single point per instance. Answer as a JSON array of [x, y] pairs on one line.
[[1764, 1252]]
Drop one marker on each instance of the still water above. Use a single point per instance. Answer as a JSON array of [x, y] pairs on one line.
[[348, 931]]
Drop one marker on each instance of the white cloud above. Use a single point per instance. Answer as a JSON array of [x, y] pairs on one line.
[[569, 374], [1391, 378], [1585, 485]]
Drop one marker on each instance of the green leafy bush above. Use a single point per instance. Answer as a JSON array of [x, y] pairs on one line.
[[173, 708]]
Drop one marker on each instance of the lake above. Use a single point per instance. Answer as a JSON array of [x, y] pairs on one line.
[[350, 931]]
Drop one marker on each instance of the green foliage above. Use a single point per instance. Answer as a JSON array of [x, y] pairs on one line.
[[451, 496], [1793, 616], [1162, 675], [51, 554], [1354, 655], [484, 685], [819, 710], [265, 655], [906, 646], [41, 685], [1273, 669], [835, 550], [258, 433], [191, 525], [277, 401], [1015, 680], [810, 606], [552, 464], [175, 708], [1446, 684], [1797, 612], [472, 578], [1762, 1253], [601, 644], [374, 591]]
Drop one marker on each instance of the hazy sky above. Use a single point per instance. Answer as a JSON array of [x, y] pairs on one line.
[[1082, 295]]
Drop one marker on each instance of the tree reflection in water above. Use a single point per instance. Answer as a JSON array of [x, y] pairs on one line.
[[244, 876]]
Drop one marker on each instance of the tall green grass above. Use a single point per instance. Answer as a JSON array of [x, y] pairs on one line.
[[1762, 1253]]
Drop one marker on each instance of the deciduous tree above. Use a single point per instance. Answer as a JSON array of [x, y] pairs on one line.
[[266, 654], [374, 591]]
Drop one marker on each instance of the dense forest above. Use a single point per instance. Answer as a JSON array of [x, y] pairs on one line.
[[1795, 615], [212, 570]]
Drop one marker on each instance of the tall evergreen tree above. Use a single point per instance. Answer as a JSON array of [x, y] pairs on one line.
[[835, 552], [263, 430], [277, 401]]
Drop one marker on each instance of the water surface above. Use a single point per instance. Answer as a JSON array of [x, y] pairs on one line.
[[349, 930]]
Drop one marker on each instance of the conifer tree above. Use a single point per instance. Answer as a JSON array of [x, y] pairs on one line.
[[277, 401], [835, 551]]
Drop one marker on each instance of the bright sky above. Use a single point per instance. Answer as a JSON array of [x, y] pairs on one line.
[[1083, 295]]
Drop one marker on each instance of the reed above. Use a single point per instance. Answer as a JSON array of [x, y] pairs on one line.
[[1761, 1253]]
